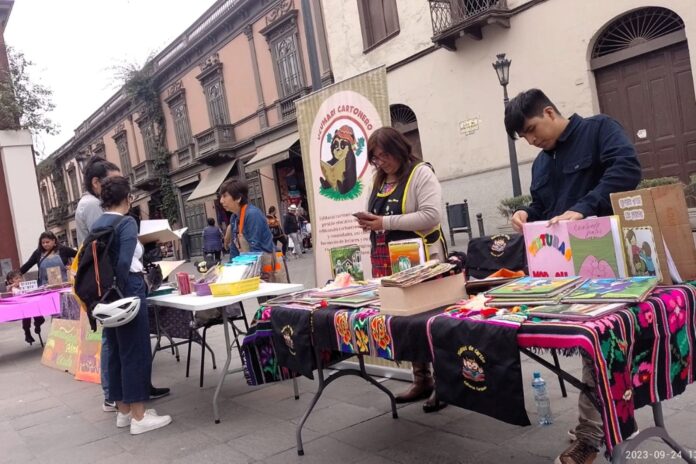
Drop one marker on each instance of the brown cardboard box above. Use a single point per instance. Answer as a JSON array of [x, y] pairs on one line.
[[663, 210], [421, 297]]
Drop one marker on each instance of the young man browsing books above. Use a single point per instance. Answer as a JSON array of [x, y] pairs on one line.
[[582, 161]]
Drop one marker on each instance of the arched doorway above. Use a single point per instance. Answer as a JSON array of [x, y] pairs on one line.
[[404, 120], [644, 80]]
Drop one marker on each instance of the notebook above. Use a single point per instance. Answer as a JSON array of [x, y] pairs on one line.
[[627, 290]]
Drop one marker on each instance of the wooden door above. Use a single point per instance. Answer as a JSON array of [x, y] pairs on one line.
[[652, 96]]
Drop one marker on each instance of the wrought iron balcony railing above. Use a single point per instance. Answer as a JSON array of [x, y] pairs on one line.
[[451, 18], [143, 174]]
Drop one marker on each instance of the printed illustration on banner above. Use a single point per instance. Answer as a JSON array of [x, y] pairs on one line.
[[343, 152]]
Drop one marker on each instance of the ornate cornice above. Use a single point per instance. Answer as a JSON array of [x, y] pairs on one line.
[[279, 10], [209, 67], [174, 92], [283, 14]]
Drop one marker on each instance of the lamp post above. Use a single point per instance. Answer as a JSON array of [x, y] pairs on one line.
[[502, 69]]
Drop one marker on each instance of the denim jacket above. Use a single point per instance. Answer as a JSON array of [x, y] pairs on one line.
[[256, 230], [123, 246], [592, 159]]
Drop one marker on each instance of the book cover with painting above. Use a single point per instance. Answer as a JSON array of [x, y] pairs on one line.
[[549, 253], [346, 259], [405, 254], [597, 248], [628, 290], [643, 259], [533, 286], [575, 311]]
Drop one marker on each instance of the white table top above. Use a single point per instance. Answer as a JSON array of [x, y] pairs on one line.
[[193, 302]]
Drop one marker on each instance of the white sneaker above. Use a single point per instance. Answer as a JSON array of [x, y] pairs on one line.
[[150, 421], [109, 406], [124, 420]]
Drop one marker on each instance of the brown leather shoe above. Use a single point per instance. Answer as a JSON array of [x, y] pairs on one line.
[[577, 453], [421, 387], [432, 404]]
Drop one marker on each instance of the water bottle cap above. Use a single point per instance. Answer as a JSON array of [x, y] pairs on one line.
[[537, 375]]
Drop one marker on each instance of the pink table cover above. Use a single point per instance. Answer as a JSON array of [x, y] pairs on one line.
[[20, 307]]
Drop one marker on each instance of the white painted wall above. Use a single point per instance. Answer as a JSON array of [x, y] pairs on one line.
[[22, 189], [549, 45]]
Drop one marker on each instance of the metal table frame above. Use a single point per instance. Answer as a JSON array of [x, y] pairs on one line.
[[199, 303]]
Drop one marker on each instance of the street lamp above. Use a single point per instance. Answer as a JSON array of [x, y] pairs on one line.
[[502, 69]]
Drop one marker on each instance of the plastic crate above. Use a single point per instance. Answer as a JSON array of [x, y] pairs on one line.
[[236, 288]]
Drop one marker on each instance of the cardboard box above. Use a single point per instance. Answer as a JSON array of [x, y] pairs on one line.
[[662, 212], [422, 297]]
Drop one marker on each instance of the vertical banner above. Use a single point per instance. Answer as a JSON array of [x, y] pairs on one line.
[[334, 125]]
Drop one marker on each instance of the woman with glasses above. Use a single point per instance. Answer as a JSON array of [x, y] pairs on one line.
[[129, 360], [404, 203]]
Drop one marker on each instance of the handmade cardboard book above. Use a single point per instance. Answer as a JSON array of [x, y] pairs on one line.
[[405, 254], [628, 290], [653, 221], [346, 259], [589, 248]]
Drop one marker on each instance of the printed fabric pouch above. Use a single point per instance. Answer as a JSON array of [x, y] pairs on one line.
[[486, 255]]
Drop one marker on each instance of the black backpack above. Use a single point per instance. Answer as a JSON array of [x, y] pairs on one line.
[[95, 280], [486, 255]]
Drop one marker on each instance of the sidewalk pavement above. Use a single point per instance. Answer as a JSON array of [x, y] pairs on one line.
[[48, 417]]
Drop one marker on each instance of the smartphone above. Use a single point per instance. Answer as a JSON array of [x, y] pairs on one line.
[[361, 215]]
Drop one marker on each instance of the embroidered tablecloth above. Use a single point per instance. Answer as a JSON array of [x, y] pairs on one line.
[[642, 354]]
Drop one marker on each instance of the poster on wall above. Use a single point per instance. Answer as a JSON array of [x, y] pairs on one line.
[[334, 125]]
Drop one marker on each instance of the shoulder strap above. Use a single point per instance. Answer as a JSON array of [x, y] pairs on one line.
[[242, 217]]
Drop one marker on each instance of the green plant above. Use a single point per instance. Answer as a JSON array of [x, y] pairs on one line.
[[508, 206], [140, 87], [656, 182]]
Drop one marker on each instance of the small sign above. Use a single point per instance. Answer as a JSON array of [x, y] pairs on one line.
[[469, 126], [642, 134]]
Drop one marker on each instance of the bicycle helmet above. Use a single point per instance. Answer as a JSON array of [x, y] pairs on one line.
[[117, 313]]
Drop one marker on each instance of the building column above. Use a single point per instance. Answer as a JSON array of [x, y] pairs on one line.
[[261, 110]]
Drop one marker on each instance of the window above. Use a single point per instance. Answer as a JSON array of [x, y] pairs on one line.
[[72, 175], [181, 123], [217, 109], [148, 131], [123, 153], [73, 235], [255, 192], [44, 197], [379, 21], [288, 64]]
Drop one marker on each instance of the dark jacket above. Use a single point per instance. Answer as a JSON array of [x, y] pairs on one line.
[[64, 252], [592, 159], [212, 239], [291, 223]]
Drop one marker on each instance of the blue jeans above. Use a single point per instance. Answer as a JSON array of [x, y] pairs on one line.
[[129, 362], [104, 368]]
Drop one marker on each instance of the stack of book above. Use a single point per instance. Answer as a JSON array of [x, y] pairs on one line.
[[417, 274], [532, 291]]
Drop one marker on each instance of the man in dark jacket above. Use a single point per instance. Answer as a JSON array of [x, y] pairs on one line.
[[291, 227], [212, 240], [582, 161]]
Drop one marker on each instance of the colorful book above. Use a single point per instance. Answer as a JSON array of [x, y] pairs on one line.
[[356, 301], [627, 290], [575, 311], [534, 287], [346, 259], [405, 254], [590, 248]]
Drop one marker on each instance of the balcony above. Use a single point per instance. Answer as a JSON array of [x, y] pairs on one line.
[[214, 142], [452, 19], [144, 176], [55, 215], [185, 154], [286, 106]]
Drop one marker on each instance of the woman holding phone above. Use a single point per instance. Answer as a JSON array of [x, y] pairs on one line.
[[404, 203]]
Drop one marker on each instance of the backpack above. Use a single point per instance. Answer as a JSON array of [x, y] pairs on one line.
[[486, 255], [95, 280]]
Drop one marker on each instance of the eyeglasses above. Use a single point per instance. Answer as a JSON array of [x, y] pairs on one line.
[[379, 159]]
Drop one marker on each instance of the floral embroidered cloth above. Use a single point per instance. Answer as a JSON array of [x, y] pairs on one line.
[[642, 354]]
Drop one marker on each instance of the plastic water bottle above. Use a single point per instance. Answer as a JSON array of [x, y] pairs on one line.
[[541, 399]]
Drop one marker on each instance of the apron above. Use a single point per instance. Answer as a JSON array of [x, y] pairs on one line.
[[270, 268], [388, 203], [52, 265]]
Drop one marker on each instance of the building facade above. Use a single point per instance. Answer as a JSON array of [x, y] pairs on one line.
[[630, 59], [227, 88], [19, 197]]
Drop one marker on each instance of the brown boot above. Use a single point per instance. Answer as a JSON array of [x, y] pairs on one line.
[[432, 404], [421, 387]]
